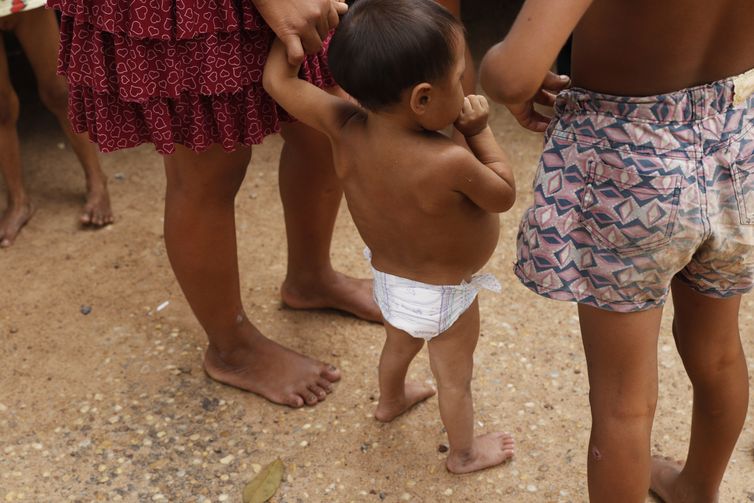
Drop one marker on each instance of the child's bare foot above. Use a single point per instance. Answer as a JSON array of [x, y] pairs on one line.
[[13, 220], [268, 369], [665, 472], [488, 450], [97, 211], [665, 483], [335, 291], [414, 393]]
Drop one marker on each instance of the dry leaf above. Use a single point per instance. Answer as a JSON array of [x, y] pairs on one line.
[[263, 486]]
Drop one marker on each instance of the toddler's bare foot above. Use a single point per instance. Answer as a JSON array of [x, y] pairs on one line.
[[488, 450], [414, 393], [333, 291], [268, 369], [97, 211], [13, 220]]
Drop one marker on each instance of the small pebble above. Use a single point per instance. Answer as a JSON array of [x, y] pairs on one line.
[[448, 492], [531, 488], [86, 310], [228, 459], [119, 176], [442, 448]]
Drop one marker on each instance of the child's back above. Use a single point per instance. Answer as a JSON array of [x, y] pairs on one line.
[[646, 47], [399, 189]]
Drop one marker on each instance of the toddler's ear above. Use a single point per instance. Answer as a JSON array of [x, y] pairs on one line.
[[421, 96]]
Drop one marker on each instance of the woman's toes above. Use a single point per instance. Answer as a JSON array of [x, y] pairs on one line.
[[330, 372], [325, 385], [321, 393]]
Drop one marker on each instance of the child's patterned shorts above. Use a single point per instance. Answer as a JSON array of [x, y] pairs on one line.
[[633, 192]]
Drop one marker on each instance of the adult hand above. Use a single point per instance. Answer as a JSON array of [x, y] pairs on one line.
[[525, 113], [301, 25]]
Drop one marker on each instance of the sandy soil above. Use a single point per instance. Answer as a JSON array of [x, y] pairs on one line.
[[114, 406]]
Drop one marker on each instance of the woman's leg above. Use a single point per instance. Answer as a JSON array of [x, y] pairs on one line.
[[19, 208], [708, 340], [200, 237], [621, 356], [37, 31], [311, 197]]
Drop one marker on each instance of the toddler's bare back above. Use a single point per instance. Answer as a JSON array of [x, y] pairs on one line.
[[397, 186]]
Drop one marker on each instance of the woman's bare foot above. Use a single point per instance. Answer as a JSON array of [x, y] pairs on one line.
[[272, 371], [663, 483], [97, 211], [414, 393], [333, 291], [488, 450], [13, 220]]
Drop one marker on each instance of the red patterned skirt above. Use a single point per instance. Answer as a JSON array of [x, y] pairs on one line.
[[170, 71]]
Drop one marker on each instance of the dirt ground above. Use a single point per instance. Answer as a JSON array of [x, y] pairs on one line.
[[114, 405]]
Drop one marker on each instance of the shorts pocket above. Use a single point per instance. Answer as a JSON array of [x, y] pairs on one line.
[[743, 183], [628, 212]]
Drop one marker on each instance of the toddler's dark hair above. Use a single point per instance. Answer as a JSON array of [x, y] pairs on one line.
[[383, 47]]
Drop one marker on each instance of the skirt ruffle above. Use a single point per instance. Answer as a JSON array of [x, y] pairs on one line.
[[162, 19], [191, 83]]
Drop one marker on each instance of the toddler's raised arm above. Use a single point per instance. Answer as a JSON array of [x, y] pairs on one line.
[[303, 100], [486, 177]]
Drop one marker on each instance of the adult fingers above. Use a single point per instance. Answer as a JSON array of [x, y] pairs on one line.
[[293, 49], [311, 41], [323, 25], [340, 7], [333, 19]]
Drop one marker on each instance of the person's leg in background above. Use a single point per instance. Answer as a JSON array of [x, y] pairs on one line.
[[19, 208], [37, 31]]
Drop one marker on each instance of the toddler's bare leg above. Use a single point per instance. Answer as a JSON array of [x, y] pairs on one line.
[[37, 31], [621, 356], [397, 395], [200, 237], [708, 340], [19, 208], [311, 195], [451, 355]]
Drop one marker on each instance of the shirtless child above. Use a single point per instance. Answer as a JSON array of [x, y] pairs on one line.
[[425, 206], [646, 185]]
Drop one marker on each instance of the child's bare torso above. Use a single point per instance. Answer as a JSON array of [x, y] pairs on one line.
[[646, 47], [397, 189]]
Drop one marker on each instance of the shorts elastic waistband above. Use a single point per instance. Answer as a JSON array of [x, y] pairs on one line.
[[685, 105]]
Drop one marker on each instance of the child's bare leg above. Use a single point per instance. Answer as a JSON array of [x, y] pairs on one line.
[[200, 237], [37, 31], [397, 395], [451, 355], [708, 340], [621, 356], [19, 208], [311, 196]]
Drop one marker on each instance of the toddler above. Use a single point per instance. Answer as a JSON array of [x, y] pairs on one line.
[[425, 206]]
